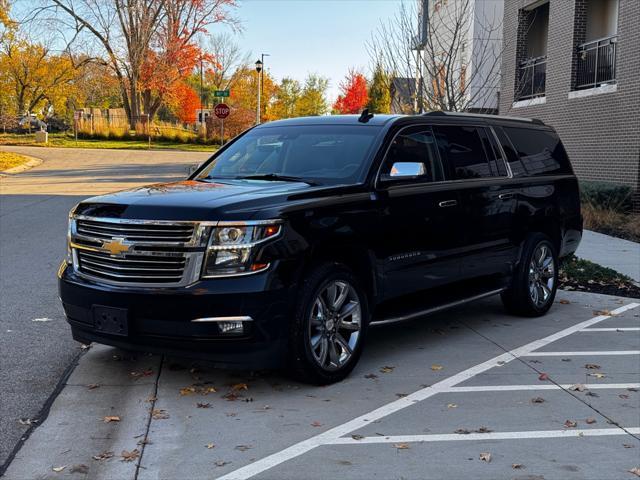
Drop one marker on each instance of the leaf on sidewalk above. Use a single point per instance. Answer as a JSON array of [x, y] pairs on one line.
[[543, 376], [564, 302], [58, 469], [537, 400], [357, 436], [111, 418], [27, 421], [221, 463], [570, 424], [159, 414], [483, 430], [592, 366], [371, 376], [452, 405], [210, 446], [485, 457], [606, 313], [145, 373], [462, 431], [597, 375], [103, 456], [635, 471], [578, 387], [517, 466], [386, 369], [435, 367], [590, 420], [243, 448], [93, 386], [129, 456], [592, 394], [401, 446], [316, 423], [239, 386], [203, 405]]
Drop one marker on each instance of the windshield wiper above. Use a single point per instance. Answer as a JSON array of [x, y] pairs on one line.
[[276, 178]]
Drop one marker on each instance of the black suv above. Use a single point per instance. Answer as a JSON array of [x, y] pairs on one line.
[[299, 235]]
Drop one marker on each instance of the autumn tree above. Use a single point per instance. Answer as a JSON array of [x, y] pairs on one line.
[[313, 98], [286, 99], [380, 91], [184, 102], [354, 96], [35, 77], [149, 44]]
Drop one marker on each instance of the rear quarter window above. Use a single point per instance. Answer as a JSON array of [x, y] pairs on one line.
[[541, 151]]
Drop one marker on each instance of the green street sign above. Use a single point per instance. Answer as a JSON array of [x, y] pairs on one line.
[[221, 93]]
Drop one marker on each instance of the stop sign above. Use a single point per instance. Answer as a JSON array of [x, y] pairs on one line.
[[221, 110]]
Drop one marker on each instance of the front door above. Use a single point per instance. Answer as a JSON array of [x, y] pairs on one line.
[[420, 216]]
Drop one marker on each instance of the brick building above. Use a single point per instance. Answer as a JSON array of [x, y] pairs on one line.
[[575, 64]]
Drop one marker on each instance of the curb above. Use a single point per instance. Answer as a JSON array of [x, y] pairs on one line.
[[29, 164]]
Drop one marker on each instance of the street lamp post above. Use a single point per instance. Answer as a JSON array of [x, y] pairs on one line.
[[259, 70]]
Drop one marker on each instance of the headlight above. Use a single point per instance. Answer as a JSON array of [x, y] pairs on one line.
[[232, 249]]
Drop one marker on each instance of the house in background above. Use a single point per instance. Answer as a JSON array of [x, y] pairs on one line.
[[575, 64]]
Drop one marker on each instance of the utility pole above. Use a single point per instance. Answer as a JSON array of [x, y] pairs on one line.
[[259, 70]]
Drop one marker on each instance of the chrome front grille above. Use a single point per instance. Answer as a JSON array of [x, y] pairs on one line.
[[136, 232], [132, 268], [138, 252]]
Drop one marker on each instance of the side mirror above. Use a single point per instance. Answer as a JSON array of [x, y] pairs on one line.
[[400, 170]]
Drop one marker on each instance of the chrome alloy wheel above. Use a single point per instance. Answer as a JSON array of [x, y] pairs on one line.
[[541, 275], [335, 325]]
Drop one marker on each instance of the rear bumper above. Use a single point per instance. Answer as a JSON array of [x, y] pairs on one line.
[[161, 320]]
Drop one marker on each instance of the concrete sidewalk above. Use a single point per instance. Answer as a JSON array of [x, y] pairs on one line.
[[621, 255]]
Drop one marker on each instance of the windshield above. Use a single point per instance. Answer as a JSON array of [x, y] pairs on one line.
[[317, 154]]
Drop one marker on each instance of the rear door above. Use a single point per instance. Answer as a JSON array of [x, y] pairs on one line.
[[487, 199], [420, 220]]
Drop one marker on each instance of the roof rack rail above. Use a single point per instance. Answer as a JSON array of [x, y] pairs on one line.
[[438, 113]]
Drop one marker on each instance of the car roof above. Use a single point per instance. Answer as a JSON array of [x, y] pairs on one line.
[[385, 119]]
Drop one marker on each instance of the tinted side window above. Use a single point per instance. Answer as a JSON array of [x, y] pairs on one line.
[[541, 151], [517, 170], [414, 146], [462, 148]]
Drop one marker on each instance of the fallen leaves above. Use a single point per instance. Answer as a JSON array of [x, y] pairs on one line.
[[570, 424], [203, 405], [27, 421], [316, 423], [436, 368], [200, 389], [239, 386], [93, 386], [145, 373], [210, 446], [564, 302], [111, 418], [590, 420], [603, 313], [628, 445], [159, 414], [591, 366], [537, 400], [543, 376], [58, 469], [578, 387], [597, 375], [221, 463], [517, 466], [635, 471], [452, 405], [466, 431], [485, 457], [386, 369], [623, 396], [243, 448], [371, 376], [357, 436], [401, 446], [129, 456], [106, 455]]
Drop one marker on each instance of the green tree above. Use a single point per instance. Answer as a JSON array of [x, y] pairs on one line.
[[313, 100], [379, 91], [286, 99]]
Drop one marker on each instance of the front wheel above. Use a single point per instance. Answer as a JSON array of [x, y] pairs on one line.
[[329, 325], [535, 281]]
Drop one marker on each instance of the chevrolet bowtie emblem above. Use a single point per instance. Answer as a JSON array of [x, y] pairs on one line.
[[115, 246]]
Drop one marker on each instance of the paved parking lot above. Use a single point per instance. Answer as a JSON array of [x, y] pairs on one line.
[[469, 393]]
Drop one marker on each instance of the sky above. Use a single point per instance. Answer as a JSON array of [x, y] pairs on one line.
[[320, 36]]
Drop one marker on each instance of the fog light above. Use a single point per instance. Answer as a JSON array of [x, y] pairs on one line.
[[231, 328]]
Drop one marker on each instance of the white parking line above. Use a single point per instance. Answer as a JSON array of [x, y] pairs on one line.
[[573, 354], [456, 437], [619, 329], [552, 386], [333, 434]]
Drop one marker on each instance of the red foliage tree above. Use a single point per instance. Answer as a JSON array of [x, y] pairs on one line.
[[184, 102], [354, 95]]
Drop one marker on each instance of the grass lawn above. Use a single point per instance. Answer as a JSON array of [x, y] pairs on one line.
[[66, 141], [10, 160]]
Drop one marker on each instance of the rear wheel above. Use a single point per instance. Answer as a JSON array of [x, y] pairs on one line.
[[329, 325], [535, 281]]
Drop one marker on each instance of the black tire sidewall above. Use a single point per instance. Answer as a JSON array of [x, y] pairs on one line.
[[304, 363], [522, 289]]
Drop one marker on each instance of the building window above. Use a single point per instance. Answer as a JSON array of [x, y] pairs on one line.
[[595, 38], [531, 53]]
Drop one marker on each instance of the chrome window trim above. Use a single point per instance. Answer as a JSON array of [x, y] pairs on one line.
[[222, 319]]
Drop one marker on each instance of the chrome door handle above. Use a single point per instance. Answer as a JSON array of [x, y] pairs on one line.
[[448, 203], [505, 196]]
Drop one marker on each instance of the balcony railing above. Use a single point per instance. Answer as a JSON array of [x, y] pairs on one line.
[[596, 63], [532, 75]]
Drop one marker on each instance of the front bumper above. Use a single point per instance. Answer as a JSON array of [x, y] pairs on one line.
[[160, 319]]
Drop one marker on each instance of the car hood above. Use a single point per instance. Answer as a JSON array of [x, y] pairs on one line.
[[193, 200]]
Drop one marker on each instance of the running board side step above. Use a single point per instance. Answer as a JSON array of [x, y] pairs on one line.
[[433, 309]]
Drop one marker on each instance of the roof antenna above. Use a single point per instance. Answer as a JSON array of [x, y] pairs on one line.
[[365, 116]]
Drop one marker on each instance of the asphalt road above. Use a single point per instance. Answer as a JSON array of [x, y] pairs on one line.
[[35, 345]]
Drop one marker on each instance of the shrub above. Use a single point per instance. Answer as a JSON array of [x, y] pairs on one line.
[[606, 196]]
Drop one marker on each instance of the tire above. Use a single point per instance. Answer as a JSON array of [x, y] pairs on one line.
[[534, 284], [323, 349]]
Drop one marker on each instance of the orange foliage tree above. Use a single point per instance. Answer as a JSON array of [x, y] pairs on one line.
[[184, 101], [354, 95]]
